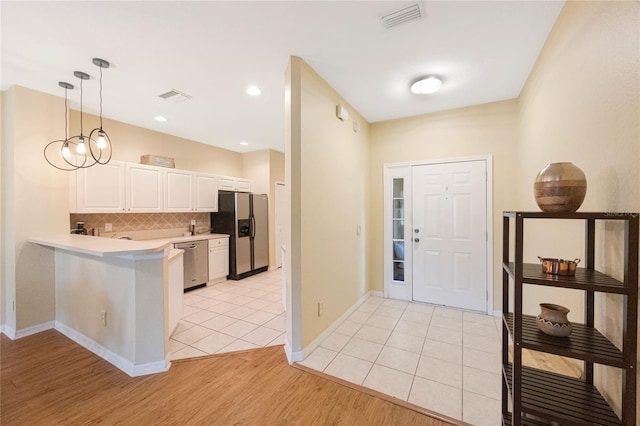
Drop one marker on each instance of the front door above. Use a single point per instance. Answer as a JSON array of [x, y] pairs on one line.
[[449, 234]]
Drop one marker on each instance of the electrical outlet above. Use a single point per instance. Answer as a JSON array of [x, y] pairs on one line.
[[108, 227], [320, 308], [103, 318], [358, 229]]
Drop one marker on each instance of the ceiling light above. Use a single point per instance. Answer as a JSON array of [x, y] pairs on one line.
[[426, 85], [243, 143], [160, 118], [254, 91], [89, 150]]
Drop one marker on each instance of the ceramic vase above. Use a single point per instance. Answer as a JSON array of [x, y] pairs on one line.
[[553, 320], [560, 187]]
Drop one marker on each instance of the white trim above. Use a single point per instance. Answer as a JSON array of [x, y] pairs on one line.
[[489, 225], [122, 363], [24, 332], [497, 313], [291, 356], [8, 331], [376, 293], [306, 351]]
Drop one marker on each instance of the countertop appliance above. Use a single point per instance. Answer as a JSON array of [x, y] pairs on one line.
[[196, 263], [244, 216]]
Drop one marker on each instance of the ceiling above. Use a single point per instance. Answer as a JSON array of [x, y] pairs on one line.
[[213, 51]]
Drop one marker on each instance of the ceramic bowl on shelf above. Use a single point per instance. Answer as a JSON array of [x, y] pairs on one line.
[[553, 320]]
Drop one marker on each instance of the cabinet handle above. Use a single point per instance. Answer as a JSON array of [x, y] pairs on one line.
[[417, 240]]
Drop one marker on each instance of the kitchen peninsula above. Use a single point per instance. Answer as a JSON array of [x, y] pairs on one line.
[[112, 297]]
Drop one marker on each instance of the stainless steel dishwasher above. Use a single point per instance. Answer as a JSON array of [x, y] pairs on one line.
[[196, 263]]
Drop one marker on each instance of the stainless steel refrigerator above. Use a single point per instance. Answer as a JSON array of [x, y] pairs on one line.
[[244, 217]]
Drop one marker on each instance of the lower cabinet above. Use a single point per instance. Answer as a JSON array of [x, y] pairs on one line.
[[218, 259]]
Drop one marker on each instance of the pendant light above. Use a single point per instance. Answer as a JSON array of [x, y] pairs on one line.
[[89, 150]]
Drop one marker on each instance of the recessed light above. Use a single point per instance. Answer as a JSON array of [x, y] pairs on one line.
[[426, 85], [243, 143], [160, 118], [254, 91]]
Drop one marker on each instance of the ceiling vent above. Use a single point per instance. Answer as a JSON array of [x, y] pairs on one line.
[[412, 12], [174, 96]]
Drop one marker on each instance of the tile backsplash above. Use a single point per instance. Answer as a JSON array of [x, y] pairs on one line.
[[140, 221]]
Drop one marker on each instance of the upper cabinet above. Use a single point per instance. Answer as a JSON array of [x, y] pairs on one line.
[[227, 183], [98, 189], [144, 191], [178, 184], [205, 192], [120, 187], [190, 191]]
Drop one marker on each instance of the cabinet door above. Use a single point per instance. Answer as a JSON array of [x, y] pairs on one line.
[[243, 185], [206, 192], [144, 188], [178, 192], [100, 189], [218, 258], [227, 183]]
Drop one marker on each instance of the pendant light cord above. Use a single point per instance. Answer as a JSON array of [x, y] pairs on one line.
[[81, 126], [100, 97], [66, 116]]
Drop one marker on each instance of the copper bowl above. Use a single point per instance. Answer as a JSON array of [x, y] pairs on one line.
[[558, 266]]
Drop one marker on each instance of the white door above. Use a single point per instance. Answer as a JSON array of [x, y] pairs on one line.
[[450, 231], [279, 221]]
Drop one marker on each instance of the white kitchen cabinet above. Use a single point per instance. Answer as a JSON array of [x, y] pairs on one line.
[[144, 190], [98, 189], [218, 259], [205, 192], [187, 191], [178, 190], [227, 183]]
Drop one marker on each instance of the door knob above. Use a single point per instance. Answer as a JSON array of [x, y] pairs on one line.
[[417, 240], [416, 230]]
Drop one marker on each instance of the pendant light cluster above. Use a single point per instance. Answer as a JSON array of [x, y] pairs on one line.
[[80, 151]]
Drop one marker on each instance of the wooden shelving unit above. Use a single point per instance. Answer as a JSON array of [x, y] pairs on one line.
[[541, 397]]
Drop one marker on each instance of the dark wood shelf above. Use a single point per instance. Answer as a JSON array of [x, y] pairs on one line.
[[584, 279], [584, 343], [562, 399], [507, 421], [575, 215]]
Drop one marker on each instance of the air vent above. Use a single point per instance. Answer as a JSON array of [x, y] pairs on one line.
[[407, 14], [174, 96]]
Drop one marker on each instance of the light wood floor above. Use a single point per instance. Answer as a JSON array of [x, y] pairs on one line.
[[46, 379]]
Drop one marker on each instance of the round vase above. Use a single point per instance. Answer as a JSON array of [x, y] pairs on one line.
[[560, 187], [553, 320]]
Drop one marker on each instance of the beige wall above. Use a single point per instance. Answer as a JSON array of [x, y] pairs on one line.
[[333, 194], [489, 129], [276, 174], [582, 104], [130, 142], [34, 201]]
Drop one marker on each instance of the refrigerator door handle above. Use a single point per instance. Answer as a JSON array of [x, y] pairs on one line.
[[253, 227]]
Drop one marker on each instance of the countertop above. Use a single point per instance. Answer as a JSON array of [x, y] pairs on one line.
[[105, 247]]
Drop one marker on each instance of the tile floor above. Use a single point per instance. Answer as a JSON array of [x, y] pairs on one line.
[[231, 316], [442, 359]]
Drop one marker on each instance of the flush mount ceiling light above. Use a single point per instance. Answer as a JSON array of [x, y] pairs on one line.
[[243, 143], [426, 85], [254, 91], [160, 118], [91, 149]]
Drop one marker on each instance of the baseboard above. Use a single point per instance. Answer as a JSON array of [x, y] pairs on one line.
[[306, 351], [376, 293], [497, 313], [291, 356], [122, 363], [8, 331], [12, 334]]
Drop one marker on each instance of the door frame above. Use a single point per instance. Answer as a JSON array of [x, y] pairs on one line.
[[391, 170]]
